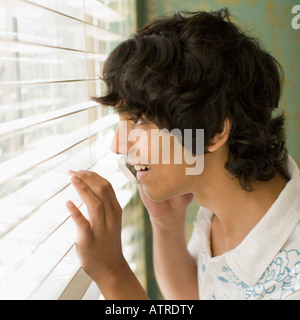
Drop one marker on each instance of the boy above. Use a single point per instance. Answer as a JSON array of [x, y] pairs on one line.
[[199, 71]]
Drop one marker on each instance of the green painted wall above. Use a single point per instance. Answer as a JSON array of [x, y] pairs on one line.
[[271, 21]]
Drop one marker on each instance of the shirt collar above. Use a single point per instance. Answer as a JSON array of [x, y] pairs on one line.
[[251, 258]]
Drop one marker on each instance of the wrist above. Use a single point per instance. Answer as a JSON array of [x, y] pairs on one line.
[[121, 284], [109, 273]]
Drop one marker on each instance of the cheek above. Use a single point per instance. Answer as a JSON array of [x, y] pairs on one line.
[[166, 182]]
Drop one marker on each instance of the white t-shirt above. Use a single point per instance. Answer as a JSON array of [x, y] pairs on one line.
[[266, 264]]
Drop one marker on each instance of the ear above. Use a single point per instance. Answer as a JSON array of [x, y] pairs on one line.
[[220, 138]]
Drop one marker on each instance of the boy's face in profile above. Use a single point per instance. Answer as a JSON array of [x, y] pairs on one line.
[[160, 159]]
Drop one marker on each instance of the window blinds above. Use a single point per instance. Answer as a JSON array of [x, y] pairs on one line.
[[51, 56]]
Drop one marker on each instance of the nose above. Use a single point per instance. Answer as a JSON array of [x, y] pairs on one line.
[[119, 143]]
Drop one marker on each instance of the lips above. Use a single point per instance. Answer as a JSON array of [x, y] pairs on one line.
[[141, 171], [140, 175]]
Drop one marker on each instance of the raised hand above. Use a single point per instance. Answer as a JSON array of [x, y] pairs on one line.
[[168, 208], [99, 238]]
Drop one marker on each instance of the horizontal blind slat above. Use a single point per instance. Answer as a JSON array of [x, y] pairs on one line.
[[51, 148], [46, 257], [28, 47], [70, 280], [55, 284], [22, 241], [71, 8], [23, 123], [32, 43], [56, 29], [99, 10], [39, 9]]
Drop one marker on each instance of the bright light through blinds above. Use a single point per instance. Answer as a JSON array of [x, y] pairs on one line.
[[52, 52]]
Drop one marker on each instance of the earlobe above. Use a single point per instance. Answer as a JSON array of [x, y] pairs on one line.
[[220, 138]]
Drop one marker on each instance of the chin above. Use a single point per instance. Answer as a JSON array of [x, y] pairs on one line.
[[157, 195]]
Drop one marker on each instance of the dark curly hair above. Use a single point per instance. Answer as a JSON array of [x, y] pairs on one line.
[[195, 69]]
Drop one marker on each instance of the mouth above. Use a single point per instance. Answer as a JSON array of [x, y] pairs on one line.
[[141, 171], [141, 168]]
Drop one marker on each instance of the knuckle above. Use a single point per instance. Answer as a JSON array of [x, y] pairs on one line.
[[89, 173], [106, 183], [117, 209], [97, 205], [85, 226], [84, 187], [93, 174], [103, 187], [84, 174]]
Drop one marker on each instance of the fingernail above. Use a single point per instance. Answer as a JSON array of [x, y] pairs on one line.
[[75, 179], [69, 204]]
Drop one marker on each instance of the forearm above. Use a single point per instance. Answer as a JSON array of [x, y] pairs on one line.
[[175, 269]]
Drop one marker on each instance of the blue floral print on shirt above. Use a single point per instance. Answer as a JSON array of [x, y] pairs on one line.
[[280, 279]]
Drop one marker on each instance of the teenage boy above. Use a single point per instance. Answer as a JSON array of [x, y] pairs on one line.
[[199, 71]]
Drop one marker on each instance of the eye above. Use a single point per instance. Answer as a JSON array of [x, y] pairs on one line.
[[137, 121]]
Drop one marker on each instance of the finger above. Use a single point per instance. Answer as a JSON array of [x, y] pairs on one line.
[[93, 203], [101, 188], [71, 172], [82, 224]]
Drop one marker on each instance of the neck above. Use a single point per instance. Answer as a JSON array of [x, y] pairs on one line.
[[236, 211]]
